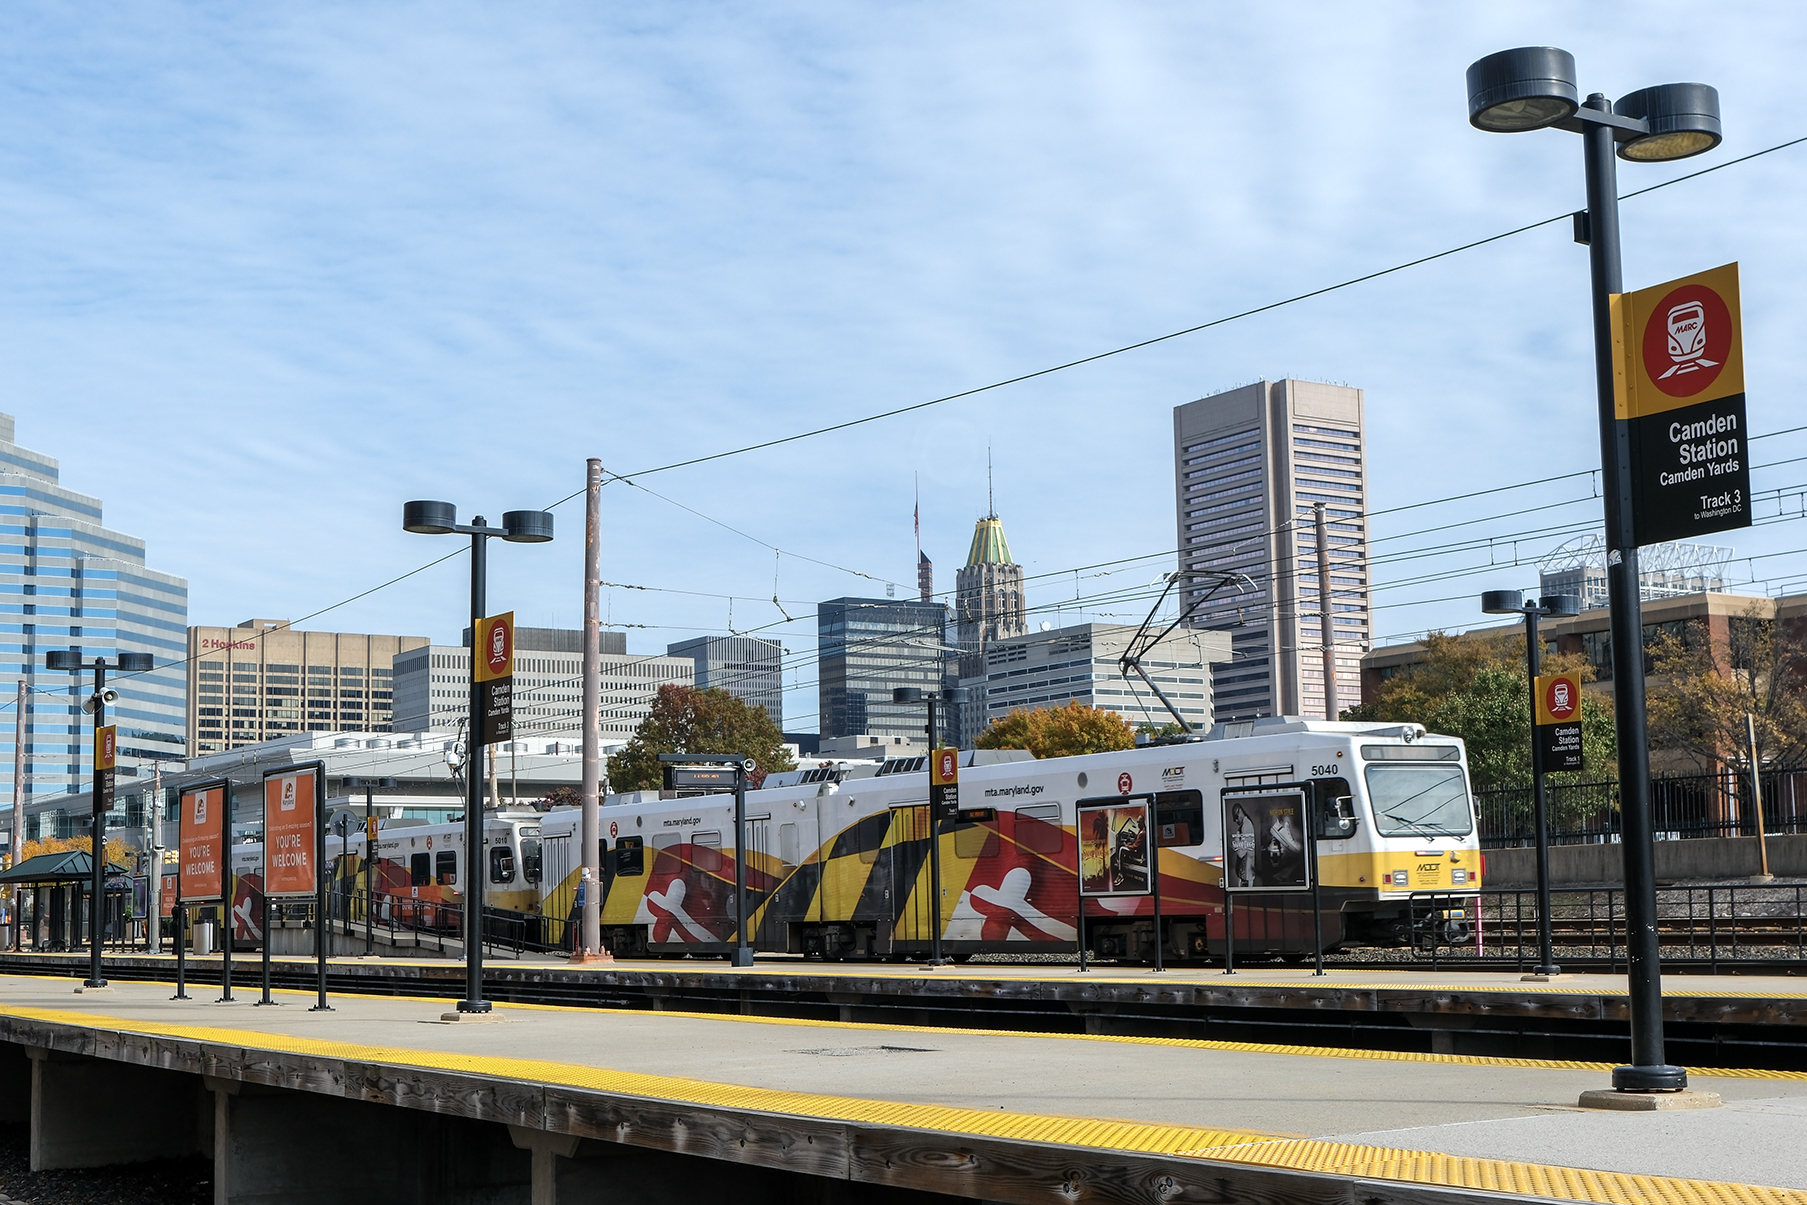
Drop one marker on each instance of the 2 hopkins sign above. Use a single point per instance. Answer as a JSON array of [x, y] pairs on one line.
[[1678, 382]]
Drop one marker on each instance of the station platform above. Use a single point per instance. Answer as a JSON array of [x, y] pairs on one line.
[[1719, 1019], [986, 1115]]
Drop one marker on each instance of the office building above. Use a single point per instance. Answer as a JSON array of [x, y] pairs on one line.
[[72, 583], [1082, 664], [1249, 465], [747, 667], [262, 680], [433, 684], [988, 607], [866, 647]]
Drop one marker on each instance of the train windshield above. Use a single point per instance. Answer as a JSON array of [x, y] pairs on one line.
[[1420, 800]]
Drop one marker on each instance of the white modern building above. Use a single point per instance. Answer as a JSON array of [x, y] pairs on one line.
[[71, 583], [1081, 664], [433, 691], [1250, 465]]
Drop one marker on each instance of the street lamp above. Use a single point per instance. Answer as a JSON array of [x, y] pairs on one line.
[[520, 527], [1528, 89], [96, 706], [955, 695], [1560, 606]]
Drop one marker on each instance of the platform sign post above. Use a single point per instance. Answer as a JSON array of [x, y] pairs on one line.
[[106, 759], [493, 648], [944, 805], [202, 860], [1118, 855], [295, 851], [1678, 377]]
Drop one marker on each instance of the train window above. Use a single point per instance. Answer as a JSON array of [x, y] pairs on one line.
[[1336, 809], [1038, 828], [977, 835], [1179, 817], [445, 867], [666, 840], [420, 869], [789, 844], [706, 851], [630, 858], [530, 859], [501, 864]]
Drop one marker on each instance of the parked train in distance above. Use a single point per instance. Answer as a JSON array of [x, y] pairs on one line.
[[837, 856]]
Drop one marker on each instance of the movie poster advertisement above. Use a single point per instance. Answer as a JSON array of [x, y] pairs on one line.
[[1116, 849], [1264, 843]]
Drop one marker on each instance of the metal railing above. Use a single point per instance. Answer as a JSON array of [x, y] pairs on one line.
[[1681, 806], [430, 924], [1702, 925]]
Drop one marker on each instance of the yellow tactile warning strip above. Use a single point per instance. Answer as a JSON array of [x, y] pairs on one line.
[[1497, 1175], [1342, 1159]]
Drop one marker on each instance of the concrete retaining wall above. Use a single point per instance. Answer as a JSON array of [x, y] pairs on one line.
[[1714, 859]]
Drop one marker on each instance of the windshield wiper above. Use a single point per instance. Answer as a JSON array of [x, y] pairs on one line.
[[1418, 824]]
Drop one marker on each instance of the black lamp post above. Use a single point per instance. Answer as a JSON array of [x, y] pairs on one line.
[[96, 706], [520, 527], [1513, 602], [955, 695], [1529, 89]]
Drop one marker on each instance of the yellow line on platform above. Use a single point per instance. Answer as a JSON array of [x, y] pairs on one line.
[[1497, 1175], [1340, 1159]]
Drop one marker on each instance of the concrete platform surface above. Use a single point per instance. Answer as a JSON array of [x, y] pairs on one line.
[[1506, 1125]]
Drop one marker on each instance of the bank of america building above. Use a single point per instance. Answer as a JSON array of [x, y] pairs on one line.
[[67, 581]]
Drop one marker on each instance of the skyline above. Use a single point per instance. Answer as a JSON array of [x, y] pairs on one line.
[[265, 264]]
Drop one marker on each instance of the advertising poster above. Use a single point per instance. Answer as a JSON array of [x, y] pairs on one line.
[[290, 822], [1116, 849], [201, 872], [1678, 377], [1264, 842]]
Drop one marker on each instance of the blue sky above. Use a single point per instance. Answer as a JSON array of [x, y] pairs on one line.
[[272, 270]]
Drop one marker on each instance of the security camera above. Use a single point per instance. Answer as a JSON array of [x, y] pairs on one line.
[[94, 703]]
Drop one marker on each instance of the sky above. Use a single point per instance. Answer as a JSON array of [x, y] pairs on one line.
[[271, 271]]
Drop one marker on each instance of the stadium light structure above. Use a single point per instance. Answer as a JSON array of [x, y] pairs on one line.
[[1555, 606], [519, 527], [96, 706], [1533, 88]]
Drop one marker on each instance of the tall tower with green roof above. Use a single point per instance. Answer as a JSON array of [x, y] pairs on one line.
[[988, 607]]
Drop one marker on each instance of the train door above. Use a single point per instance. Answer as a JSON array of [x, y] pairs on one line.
[[759, 866], [908, 843]]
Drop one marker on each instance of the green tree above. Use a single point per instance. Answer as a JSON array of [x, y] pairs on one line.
[[1700, 692], [1474, 687], [685, 719], [1059, 731]]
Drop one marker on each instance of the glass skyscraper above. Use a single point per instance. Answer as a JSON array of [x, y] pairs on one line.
[[67, 582], [868, 646]]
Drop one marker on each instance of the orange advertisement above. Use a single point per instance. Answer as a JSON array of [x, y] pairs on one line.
[[290, 831], [106, 747], [201, 872]]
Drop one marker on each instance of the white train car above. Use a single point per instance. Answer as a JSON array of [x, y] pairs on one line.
[[838, 866]]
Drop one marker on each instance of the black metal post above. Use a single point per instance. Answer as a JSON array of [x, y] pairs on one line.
[[181, 919], [1154, 882], [323, 937], [473, 1001], [266, 996], [226, 911], [743, 953], [1540, 818], [1648, 1070], [1229, 926], [98, 831], [1312, 827], [370, 863], [935, 957]]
